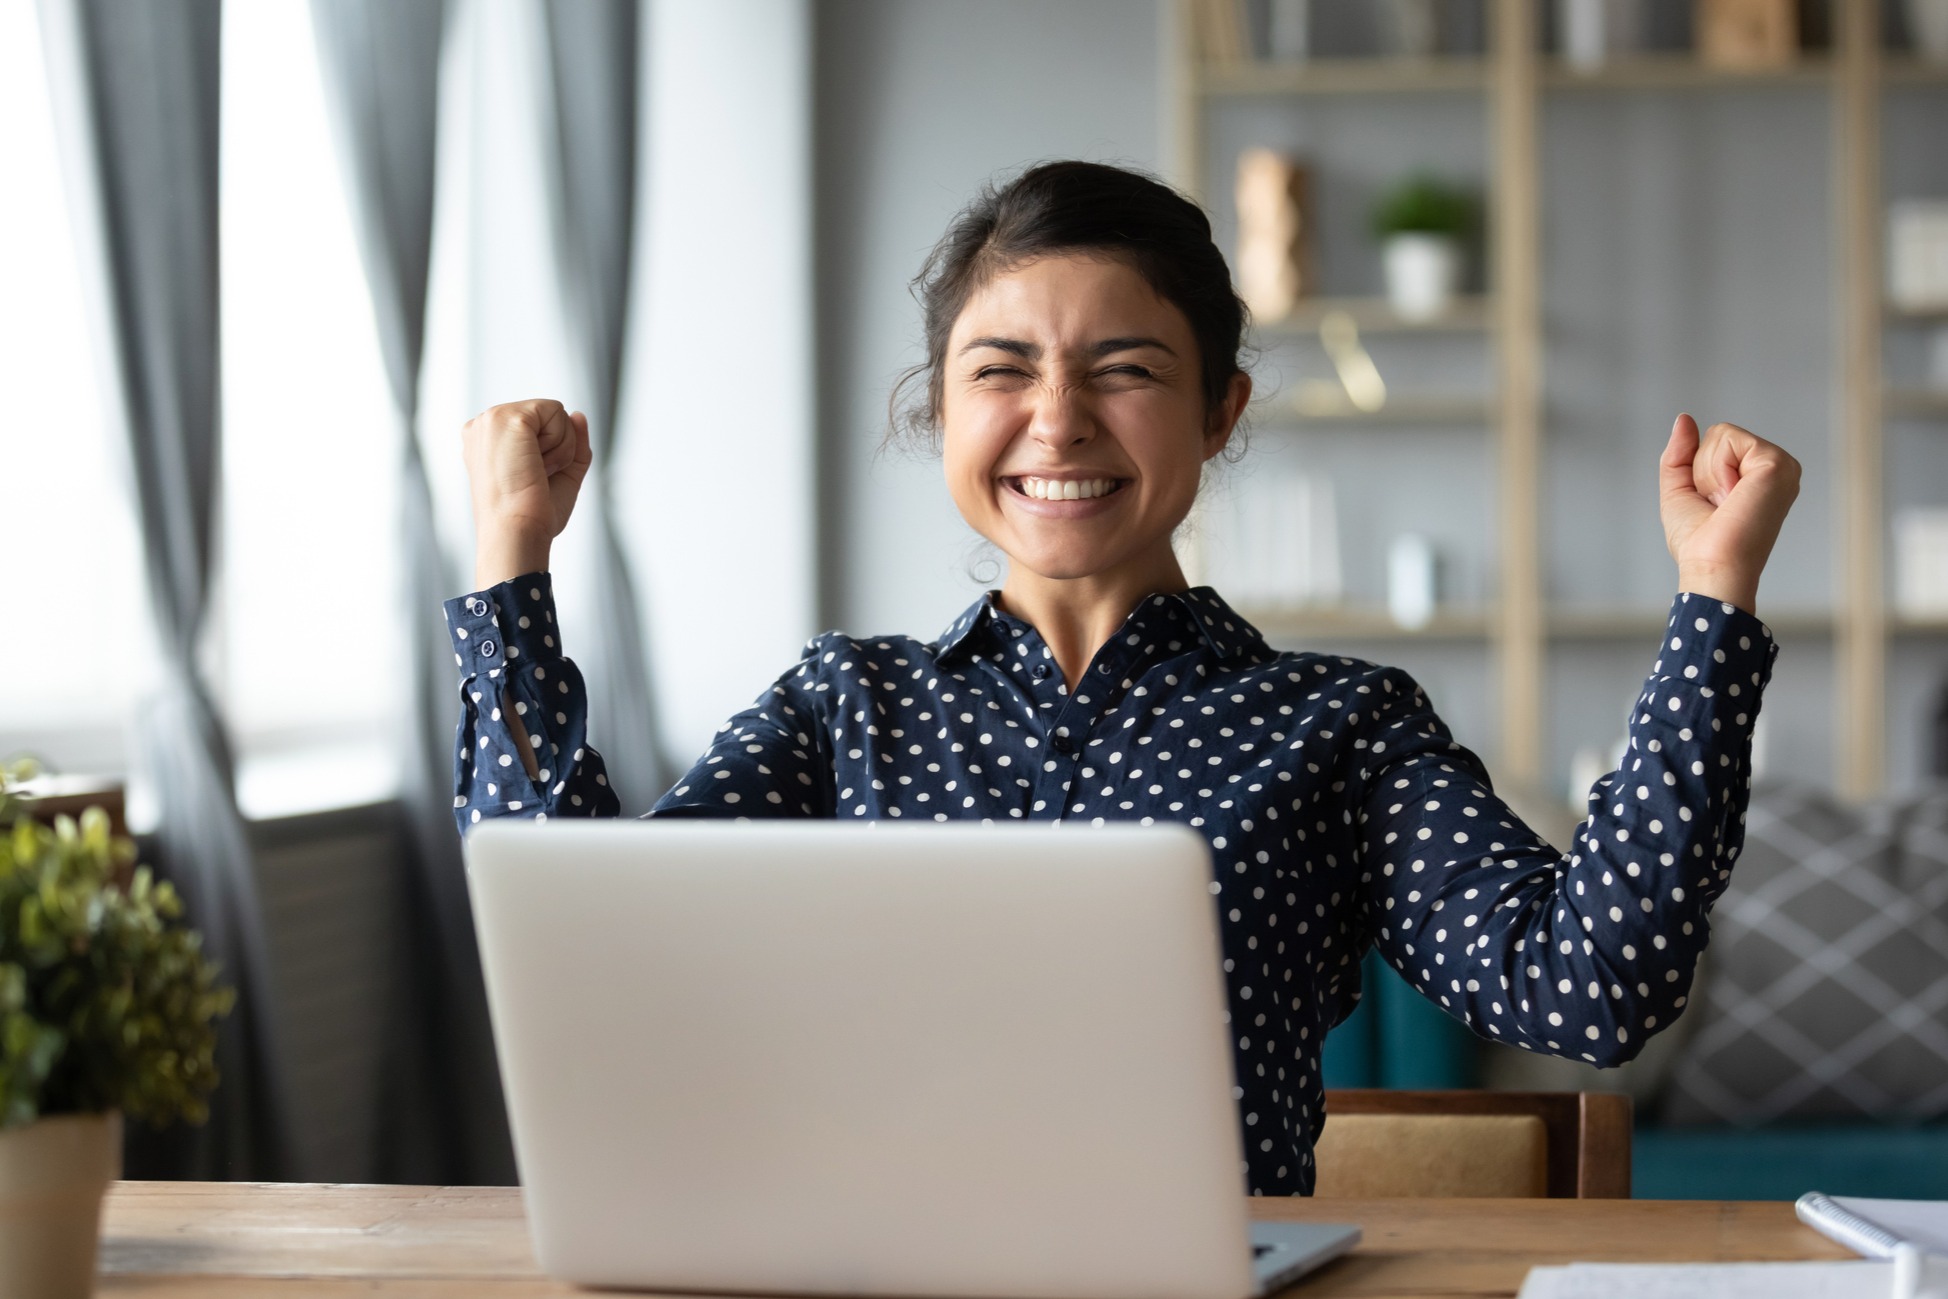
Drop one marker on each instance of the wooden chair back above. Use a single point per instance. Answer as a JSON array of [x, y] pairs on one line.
[[1560, 1145]]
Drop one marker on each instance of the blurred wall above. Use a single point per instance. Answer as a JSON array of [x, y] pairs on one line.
[[916, 104]]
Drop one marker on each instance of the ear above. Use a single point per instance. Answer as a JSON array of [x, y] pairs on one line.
[[1224, 420]]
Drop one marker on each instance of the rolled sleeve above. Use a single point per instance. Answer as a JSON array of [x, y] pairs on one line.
[[1589, 952], [507, 646]]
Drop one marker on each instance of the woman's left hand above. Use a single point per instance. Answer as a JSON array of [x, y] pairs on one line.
[[1723, 498]]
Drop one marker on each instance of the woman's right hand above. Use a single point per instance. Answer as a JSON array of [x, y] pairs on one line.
[[525, 465]]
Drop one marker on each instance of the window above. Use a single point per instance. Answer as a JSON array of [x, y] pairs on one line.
[[76, 629], [305, 635]]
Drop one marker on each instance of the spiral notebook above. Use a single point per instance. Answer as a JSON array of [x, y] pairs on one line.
[[1876, 1228]]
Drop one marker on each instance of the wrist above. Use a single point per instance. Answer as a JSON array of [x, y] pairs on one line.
[[500, 556], [1735, 589]]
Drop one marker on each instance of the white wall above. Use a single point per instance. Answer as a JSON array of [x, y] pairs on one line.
[[918, 104], [720, 408]]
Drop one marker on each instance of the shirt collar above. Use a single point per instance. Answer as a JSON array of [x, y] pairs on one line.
[[1224, 631]]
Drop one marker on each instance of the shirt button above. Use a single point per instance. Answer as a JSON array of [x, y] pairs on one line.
[[1061, 744], [1103, 668], [488, 649], [1041, 672], [476, 606]]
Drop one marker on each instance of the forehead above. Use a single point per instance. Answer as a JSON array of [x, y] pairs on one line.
[[1069, 300]]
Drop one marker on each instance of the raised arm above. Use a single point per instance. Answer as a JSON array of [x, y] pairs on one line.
[[522, 746], [1590, 951]]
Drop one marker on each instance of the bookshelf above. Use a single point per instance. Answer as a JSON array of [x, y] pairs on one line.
[[1838, 623]]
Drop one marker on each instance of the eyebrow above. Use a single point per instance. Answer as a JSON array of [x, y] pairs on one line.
[[1033, 351]]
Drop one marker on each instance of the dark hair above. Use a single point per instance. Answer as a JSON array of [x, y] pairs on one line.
[[1075, 207]]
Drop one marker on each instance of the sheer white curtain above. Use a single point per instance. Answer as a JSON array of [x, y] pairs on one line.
[[714, 487]]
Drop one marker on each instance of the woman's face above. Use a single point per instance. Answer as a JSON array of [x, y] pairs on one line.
[[1074, 427]]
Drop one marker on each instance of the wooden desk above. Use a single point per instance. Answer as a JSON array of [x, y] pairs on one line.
[[172, 1240]]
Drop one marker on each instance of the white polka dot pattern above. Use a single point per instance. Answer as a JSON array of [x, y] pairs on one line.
[[1339, 810]]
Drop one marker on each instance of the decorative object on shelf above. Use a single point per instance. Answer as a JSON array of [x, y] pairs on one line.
[[1927, 24], [1359, 388], [1413, 28], [1593, 32], [1275, 541], [1222, 38], [1412, 580], [1747, 33], [1272, 230], [1921, 562], [1917, 254], [1288, 31], [1421, 225], [107, 1007]]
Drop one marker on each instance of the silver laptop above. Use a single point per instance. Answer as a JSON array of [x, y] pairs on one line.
[[880, 1060]]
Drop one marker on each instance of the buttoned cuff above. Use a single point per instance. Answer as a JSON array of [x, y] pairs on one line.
[[505, 626], [1715, 659]]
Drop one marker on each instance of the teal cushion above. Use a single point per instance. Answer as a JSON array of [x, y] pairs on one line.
[[1398, 1038], [1783, 1163]]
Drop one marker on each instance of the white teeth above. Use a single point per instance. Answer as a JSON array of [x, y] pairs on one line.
[[1071, 489]]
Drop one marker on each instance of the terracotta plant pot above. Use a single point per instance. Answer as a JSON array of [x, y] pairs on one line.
[[53, 1175]]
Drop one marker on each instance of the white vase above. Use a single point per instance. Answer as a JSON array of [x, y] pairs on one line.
[[53, 1175], [1414, 28], [1593, 32], [1927, 22], [1423, 273]]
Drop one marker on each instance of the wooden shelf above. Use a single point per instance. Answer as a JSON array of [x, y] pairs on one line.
[[1377, 316], [1342, 77], [1519, 87], [1359, 622], [1646, 624], [1907, 70], [1918, 315], [1682, 72], [1402, 412], [1918, 401]]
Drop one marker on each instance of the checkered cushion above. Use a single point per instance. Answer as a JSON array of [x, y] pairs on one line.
[[1827, 987]]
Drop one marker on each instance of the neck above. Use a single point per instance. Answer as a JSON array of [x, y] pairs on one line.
[[1077, 615]]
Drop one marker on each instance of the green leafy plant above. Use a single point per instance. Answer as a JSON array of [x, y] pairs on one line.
[[106, 1000], [1424, 205]]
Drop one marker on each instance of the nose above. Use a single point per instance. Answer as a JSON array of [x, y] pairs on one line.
[[1061, 417]]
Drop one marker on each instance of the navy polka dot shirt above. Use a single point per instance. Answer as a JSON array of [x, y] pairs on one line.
[[1340, 812]]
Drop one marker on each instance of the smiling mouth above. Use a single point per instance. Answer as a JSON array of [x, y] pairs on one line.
[[1065, 489]]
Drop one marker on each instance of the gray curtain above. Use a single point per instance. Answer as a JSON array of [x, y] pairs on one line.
[[443, 1121], [593, 57], [135, 91]]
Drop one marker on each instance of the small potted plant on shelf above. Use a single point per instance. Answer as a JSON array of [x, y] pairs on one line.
[[1422, 225], [107, 1008]]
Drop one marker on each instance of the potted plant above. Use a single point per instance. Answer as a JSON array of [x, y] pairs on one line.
[[1421, 225], [107, 1008]]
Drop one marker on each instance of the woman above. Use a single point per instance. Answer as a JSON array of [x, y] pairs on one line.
[[1082, 341]]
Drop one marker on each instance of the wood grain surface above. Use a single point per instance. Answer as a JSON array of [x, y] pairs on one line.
[[172, 1240]]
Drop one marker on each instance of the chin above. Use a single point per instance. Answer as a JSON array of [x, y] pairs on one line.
[[1062, 565]]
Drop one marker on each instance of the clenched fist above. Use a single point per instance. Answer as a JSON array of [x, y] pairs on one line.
[[1723, 498], [525, 464]]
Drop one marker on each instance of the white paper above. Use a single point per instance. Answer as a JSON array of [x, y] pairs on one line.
[[1841, 1280], [1918, 1222]]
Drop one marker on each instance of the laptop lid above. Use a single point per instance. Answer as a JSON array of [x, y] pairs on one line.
[[812, 1057]]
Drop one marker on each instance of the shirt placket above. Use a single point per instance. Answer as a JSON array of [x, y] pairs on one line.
[[1071, 729]]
